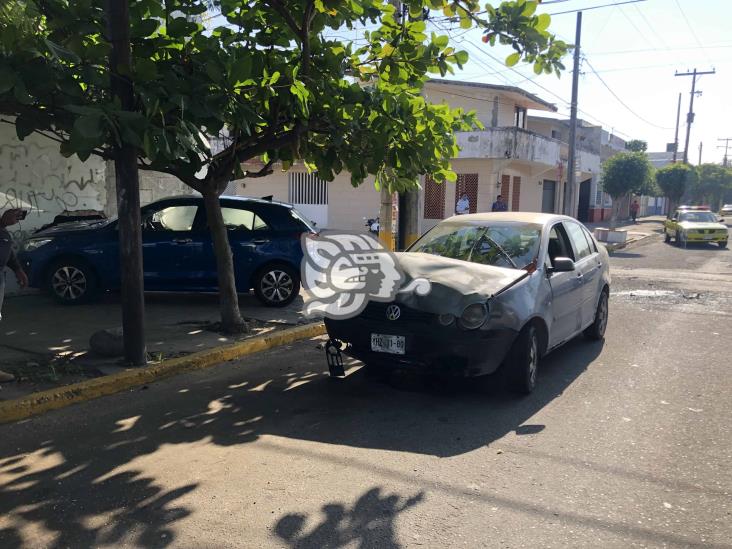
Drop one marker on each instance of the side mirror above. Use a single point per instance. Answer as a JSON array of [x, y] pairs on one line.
[[721, 219], [562, 265]]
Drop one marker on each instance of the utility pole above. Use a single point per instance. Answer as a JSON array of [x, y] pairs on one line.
[[128, 191], [570, 205], [701, 144], [690, 115], [725, 147], [676, 135]]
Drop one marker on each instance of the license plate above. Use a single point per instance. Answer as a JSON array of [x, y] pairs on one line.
[[382, 343]]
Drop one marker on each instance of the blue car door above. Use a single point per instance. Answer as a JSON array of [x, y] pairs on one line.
[[252, 241], [173, 246]]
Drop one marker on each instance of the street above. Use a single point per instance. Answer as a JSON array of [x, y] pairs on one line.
[[624, 443]]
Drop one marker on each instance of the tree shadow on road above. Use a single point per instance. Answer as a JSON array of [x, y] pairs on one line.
[[368, 523], [72, 475]]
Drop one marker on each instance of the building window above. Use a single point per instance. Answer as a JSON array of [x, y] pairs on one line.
[[467, 183], [556, 134], [520, 118], [434, 199], [307, 188]]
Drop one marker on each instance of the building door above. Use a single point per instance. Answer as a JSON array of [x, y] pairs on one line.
[[548, 196], [583, 208], [467, 184], [309, 194]]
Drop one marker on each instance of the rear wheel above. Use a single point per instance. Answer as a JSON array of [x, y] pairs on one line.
[[596, 330], [276, 285], [523, 361], [71, 282]]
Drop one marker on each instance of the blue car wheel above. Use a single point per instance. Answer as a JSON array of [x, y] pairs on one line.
[[71, 281]]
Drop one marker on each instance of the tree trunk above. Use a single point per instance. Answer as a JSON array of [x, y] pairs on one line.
[[614, 213], [128, 193], [231, 319]]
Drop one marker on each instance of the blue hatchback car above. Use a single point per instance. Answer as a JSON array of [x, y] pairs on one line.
[[76, 261]]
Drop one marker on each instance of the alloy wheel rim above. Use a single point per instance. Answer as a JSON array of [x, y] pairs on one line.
[[533, 361], [69, 283], [277, 286], [602, 315]]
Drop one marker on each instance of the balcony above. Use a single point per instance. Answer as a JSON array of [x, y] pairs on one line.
[[513, 143]]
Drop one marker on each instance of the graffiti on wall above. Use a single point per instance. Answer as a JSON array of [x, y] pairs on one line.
[[35, 177]]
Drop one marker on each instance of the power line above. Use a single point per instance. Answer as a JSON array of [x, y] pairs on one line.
[[623, 103], [691, 29], [597, 7]]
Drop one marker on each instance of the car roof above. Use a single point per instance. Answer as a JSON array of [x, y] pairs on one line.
[[508, 217], [228, 197]]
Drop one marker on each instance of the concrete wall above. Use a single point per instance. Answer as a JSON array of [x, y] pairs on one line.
[[347, 205], [492, 108], [508, 143], [153, 186]]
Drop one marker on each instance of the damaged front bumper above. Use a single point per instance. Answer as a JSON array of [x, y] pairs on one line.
[[428, 347]]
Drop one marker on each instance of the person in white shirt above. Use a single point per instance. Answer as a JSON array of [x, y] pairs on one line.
[[463, 205]]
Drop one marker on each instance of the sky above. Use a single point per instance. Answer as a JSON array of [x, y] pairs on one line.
[[636, 50]]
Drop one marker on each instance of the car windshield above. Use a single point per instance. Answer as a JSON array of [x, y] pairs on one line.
[[513, 245], [698, 217]]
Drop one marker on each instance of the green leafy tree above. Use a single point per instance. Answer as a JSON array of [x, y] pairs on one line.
[[271, 82], [622, 174], [674, 180], [713, 184], [637, 145]]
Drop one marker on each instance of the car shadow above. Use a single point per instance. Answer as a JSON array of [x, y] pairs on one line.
[[53, 479]]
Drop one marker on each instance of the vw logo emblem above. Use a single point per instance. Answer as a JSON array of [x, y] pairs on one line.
[[393, 312]]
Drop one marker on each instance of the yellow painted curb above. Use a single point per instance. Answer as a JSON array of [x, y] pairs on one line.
[[38, 403]]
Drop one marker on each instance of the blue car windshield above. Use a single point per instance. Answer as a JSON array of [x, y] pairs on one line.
[[512, 245]]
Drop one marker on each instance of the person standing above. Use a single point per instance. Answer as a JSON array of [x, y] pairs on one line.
[[463, 205], [634, 209], [8, 259], [499, 205]]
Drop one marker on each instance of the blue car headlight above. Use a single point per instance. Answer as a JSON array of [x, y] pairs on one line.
[[35, 243]]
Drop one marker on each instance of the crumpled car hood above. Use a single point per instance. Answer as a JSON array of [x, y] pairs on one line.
[[455, 284]]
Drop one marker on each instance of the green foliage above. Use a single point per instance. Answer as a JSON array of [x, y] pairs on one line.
[[626, 172], [272, 80], [713, 184], [674, 179], [637, 145]]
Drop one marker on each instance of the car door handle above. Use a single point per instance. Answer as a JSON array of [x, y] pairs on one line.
[[182, 240], [260, 241]]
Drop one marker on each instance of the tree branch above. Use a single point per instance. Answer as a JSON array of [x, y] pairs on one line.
[[266, 170], [287, 16]]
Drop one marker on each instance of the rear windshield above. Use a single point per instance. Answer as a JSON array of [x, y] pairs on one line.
[[512, 245], [302, 219]]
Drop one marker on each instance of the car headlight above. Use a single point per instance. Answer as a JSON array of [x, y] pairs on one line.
[[35, 243], [446, 319], [473, 316]]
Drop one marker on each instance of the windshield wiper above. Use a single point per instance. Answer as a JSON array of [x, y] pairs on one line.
[[503, 252]]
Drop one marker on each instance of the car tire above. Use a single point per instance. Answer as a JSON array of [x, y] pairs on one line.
[[723, 244], [679, 240], [276, 285], [523, 361], [596, 330], [72, 281]]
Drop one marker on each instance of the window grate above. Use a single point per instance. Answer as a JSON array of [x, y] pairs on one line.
[[307, 188]]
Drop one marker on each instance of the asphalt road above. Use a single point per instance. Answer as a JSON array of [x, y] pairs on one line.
[[624, 444]]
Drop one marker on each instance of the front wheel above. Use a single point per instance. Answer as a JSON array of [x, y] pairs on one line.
[[596, 330], [276, 285], [523, 361], [71, 282]]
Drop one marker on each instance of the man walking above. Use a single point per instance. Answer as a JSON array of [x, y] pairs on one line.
[[8, 259], [634, 208], [499, 205]]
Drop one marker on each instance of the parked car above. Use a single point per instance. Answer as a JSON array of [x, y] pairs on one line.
[[726, 210], [695, 225], [75, 261], [506, 289]]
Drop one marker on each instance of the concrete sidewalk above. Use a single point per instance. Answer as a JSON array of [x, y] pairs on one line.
[[47, 343], [644, 228]]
